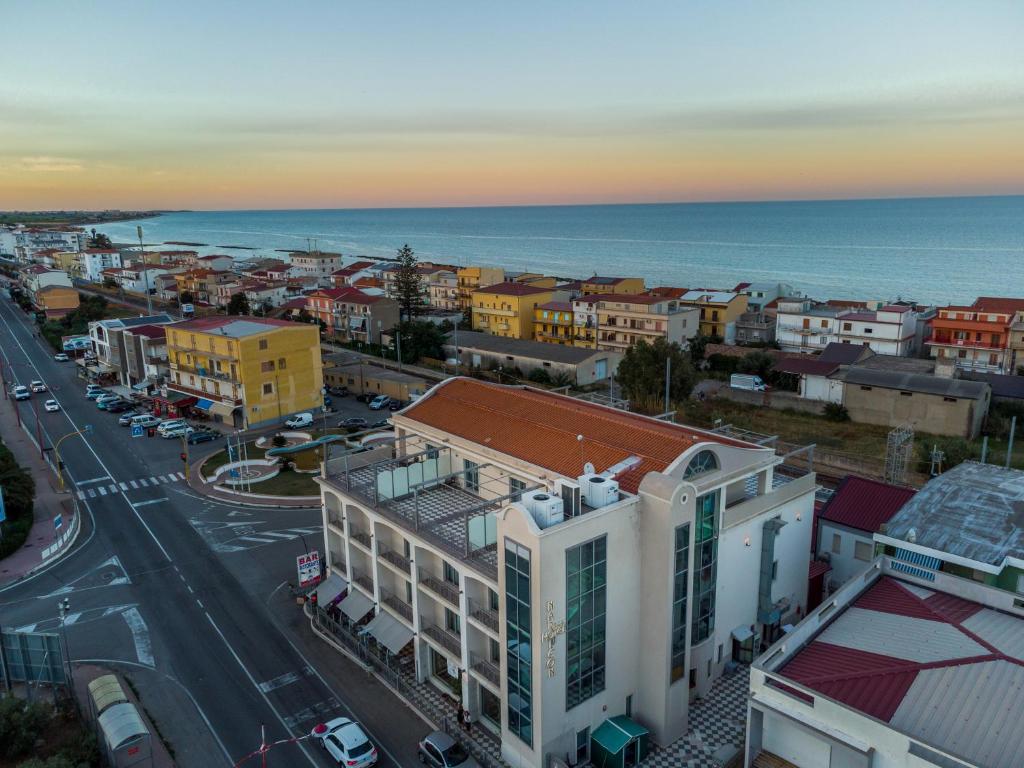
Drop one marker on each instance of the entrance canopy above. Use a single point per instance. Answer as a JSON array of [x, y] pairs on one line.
[[618, 743], [356, 605], [389, 631], [203, 404], [329, 589]]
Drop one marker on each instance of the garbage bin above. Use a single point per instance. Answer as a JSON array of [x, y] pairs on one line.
[[151, 432]]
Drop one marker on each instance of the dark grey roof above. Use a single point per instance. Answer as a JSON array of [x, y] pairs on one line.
[[844, 354], [537, 350], [914, 382], [1003, 385], [974, 511], [925, 365]]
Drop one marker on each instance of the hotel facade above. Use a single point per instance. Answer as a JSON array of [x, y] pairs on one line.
[[554, 563]]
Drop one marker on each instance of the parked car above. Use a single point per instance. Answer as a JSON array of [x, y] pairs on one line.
[[364, 398], [203, 436], [37, 386], [21, 392], [105, 399], [396, 405], [51, 406], [327, 401], [439, 750], [61, 357], [338, 391], [119, 407], [178, 430], [746, 381], [92, 394], [127, 416], [380, 424], [299, 420], [145, 420], [353, 423], [380, 401], [346, 743], [170, 424]]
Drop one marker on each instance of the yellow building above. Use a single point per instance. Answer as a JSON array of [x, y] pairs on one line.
[[68, 261], [507, 309], [552, 323], [471, 278], [624, 286], [56, 301], [624, 320], [719, 311], [247, 371]]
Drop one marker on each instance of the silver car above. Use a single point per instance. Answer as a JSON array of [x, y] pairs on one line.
[[439, 750]]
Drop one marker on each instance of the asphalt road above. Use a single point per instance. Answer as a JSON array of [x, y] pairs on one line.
[[187, 595]]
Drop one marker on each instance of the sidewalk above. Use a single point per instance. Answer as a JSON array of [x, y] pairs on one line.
[[203, 488], [48, 502]]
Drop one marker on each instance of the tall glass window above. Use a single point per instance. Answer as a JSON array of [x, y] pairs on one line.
[[585, 600], [705, 565], [519, 646], [680, 617]]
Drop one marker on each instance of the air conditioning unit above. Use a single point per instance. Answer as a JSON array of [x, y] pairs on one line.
[[571, 496], [545, 508], [599, 491]]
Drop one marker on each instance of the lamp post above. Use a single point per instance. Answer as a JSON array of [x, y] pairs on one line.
[[86, 430], [63, 607], [145, 272]]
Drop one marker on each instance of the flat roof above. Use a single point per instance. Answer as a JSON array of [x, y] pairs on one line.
[[543, 429], [914, 382], [512, 289], [536, 350], [974, 511], [235, 326], [941, 669]]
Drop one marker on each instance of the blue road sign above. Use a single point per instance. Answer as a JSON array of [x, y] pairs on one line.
[[3, 512], [58, 521], [136, 430]]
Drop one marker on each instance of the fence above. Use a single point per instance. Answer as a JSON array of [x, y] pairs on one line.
[[394, 677]]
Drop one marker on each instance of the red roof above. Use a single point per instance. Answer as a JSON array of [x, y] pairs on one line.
[[558, 306], [668, 291], [998, 304], [150, 331], [351, 269], [626, 298], [817, 568], [901, 308], [865, 504], [513, 289]]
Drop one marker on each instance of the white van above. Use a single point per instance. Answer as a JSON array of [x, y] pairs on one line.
[[747, 381], [145, 420], [299, 420]]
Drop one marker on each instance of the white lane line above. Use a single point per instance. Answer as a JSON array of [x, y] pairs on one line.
[[180, 475], [163, 479], [124, 486], [278, 682], [92, 493], [93, 480], [140, 634], [112, 489], [133, 484], [306, 531], [143, 483], [71, 618], [102, 490], [257, 540], [81, 495], [288, 536], [151, 501], [256, 685]]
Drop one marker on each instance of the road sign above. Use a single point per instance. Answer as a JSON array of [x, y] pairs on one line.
[[309, 568], [58, 521], [136, 430]]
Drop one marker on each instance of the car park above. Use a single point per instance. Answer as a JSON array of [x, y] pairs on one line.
[[380, 401], [346, 743], [439, 750], [93, 391], [380, 424], [170, 424], [364, 398], [109, 397], [61, 357], [145, 420], [21, 392], [37, 386], [299, 420], [119, 407], [127, 416], [51, 406], [354, 423], [203, 436]]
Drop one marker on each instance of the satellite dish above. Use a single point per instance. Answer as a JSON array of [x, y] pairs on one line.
[[588, 468]]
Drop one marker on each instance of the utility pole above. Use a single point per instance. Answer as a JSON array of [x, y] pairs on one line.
[[668, 381], [145, 271], [39, 428], [398, 347], [1009, 445], [457, 344]]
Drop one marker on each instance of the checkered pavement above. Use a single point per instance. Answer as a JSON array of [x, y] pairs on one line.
[[717, 721]]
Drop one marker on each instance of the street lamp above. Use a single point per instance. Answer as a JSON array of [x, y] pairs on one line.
[[86, 430], [63, 608]]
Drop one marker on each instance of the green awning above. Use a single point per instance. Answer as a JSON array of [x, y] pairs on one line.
[[616, 732]]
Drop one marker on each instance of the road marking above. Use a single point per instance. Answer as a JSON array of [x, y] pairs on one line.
[[306, 531], [140, 634], [278, 682], [133, 484], [288, 536], [143, 483], [92, 493], [112, 489], [180, 475], [257, 540], [93, 480], [81, 495], [102, 490], [151, 501], [124, 486], [71, 618], [153, 480], [239, 513]]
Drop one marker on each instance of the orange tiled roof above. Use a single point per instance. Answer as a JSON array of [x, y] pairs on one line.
[[998, 304], [542, 428]]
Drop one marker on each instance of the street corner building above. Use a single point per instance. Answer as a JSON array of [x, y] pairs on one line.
[[246, 371], [555, 564]]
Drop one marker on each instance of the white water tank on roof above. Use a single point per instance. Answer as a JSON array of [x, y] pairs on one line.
[[546, 509]]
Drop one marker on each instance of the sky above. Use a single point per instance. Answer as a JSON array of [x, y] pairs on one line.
[[246, 105]]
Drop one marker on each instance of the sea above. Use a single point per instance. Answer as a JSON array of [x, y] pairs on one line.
[[929, 250]]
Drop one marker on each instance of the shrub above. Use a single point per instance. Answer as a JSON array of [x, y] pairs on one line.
[[279, 441], [539, 376], [21, 723], [836, 412], [955, 450]]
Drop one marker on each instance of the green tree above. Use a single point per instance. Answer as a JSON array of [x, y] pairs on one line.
[[697, 346], [758, 363], [99, 240], [239, 304], [539, 376], [642, 373], [21, 724], [408, 287], [421, 338], [561, 379], [57, 761], [836, 412], [109, 282]]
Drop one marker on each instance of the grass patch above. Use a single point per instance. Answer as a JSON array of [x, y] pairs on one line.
[[288, 484]]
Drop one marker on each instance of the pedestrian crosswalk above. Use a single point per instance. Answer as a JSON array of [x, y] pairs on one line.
[[129, 485]]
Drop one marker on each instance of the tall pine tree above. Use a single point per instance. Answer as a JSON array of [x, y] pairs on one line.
[[408, 288]]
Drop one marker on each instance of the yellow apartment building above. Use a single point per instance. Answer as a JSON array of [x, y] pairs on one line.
[[507, 309], [629, 286], [246, 371], [471, 278], [624, 320], [56, 301], [719, 311], [535, 279], [553, 323], [68, 261]]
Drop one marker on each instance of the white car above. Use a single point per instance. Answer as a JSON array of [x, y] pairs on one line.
[[22, 392], [170, 424], [175, 431], [51, 406], [61, 357], [299, 420], [346, 743], [145, 420], [37, 386]]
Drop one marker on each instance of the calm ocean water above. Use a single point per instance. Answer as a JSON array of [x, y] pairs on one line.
[[931, 250]]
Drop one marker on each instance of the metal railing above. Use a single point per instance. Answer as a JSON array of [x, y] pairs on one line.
[[447, 639], [360, 537], [486, 668], [362, 580], [400, 561], [483, 614], [397, 604], [439, 587]]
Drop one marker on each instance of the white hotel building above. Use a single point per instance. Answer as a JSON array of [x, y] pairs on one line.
[[557, 563]]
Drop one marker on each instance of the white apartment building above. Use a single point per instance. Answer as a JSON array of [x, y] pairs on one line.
[[803, 326], [316, 264], [24, 242], [760, 295], [443, 291], [556, 563], [95, 260]]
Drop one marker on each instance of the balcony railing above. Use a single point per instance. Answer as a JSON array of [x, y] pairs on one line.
[[398, 560], [338, 564], [486, 668], [450, 641], [362, 538], [439, 587], [949, 341], [363, 580], [397, 604], [484, 614]]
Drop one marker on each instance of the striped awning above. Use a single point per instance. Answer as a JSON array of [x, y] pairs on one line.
[[916, 558]]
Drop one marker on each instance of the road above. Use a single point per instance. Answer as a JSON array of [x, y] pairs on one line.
[[186, 595]]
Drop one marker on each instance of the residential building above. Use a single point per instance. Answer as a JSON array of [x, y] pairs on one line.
[[218, 262], [584, 321], [179, 256], [965, 522], [346, 276], [246, 371], [55, 301], [554, 563], [362, 378], [620, 285], [108, 342], [507, 309], [318, 265], [35, 277], [553, 323], [889, 329], [536, 279], [578, 366], [755, 328], [719, 311], [428, 273], [262, 293], [443, 291], [136, 279], [202, 283], [815, 378], [623, 321], [902, 666], [847, 522], [94, 260], [146, 363], [978, 338], [471, 278], [348, 314], [68, 261], [23, 242], [760, 295]]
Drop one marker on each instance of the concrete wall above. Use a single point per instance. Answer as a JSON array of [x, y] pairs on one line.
[[845, 564], [821, 388], [925, 412]]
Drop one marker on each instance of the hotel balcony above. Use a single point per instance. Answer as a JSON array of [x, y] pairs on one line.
[[361, 538], [950, 341], [394, 559], [439, 587], [194, 392], [363, 580], [447, 641], [395, 603], [486, 669], [483, 615]]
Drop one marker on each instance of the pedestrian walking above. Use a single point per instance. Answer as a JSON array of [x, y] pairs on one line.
[[461, 717], [468, 721]]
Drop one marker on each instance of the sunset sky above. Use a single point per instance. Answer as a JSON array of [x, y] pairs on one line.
[[229, 105]]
